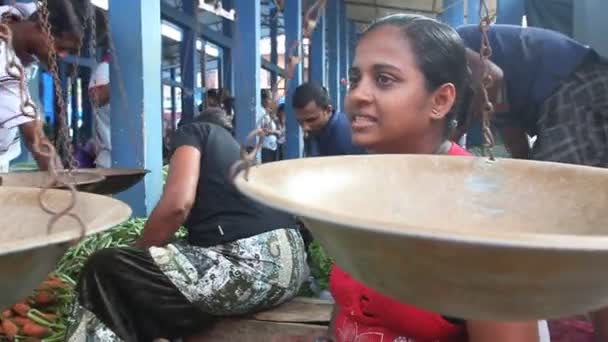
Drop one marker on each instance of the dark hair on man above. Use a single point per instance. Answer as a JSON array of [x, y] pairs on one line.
[[440, 54], [228, 103], [213, 94], [64, 17], [265, 95], [308, 92]]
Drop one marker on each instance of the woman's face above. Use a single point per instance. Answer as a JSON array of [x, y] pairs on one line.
[[390, 108]]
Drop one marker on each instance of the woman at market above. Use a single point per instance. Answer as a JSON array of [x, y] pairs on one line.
[[239, 256], [405, 87]]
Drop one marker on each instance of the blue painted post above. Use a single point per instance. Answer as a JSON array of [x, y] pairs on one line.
[[247, 64], [353, 32], [48, 91], [274, 48], [189, 62], [293, 32], [473, 12], [318, 70], [344, 51], [136, 116], [227, 74], [333, 51], [510, 12], [453, 14]]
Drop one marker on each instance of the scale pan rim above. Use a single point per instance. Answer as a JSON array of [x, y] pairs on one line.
[[118, 213], [271, 197]]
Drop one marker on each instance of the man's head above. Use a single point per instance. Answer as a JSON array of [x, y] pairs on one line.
[[266, 98], [311, 103], [29, 39], [212, 98]]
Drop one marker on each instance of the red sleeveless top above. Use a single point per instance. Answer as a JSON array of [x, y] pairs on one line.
[[365, 315]]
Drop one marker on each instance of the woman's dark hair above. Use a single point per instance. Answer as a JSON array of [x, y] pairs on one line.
[[440, 54], [215, 116]]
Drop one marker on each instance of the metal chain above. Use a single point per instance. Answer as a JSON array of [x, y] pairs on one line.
[[74, 70], [91, 18], [44, 148], [248, 159], [312, 16], [121, 85], [63, 138], [310, 20], [485, 52], [54, 177]]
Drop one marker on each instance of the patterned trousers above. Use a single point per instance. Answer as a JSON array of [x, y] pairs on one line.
[[180, 290]]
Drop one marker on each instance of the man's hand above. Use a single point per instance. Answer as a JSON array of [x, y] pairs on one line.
[[32, 132]]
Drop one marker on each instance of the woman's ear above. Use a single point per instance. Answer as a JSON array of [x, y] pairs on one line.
[[442, 101]]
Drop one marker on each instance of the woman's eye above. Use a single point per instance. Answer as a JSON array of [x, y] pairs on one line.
[[352, 81], [384, 80]]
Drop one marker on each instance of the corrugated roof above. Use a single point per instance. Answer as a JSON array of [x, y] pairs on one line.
[[365, 11]]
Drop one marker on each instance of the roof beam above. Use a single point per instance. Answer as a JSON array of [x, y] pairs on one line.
[[388, 7]]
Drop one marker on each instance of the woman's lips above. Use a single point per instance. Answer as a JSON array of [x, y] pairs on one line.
[[362, 121]]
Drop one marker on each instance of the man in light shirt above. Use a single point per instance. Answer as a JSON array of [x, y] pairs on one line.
[[99, 93], [28, 45]]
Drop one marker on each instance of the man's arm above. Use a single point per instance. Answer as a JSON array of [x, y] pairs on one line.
[[516, 141], [100, 95], [32, 132]]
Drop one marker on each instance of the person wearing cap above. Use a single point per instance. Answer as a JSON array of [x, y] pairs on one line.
[[99, 93], [28, 46]]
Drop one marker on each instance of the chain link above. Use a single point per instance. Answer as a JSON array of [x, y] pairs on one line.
[[310, 20], [63, 139], [40, 146], [248, 159], [485, 52]]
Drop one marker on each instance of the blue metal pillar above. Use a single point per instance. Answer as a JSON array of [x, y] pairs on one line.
[[510, 12], [333, 51], [473, 12], [48, 91], [227, 74], [274, 48], [318, 70], [353, 33], [189, 62], [293, 32], [344, 51], [453, 13], [247, 64], [136, 115]]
